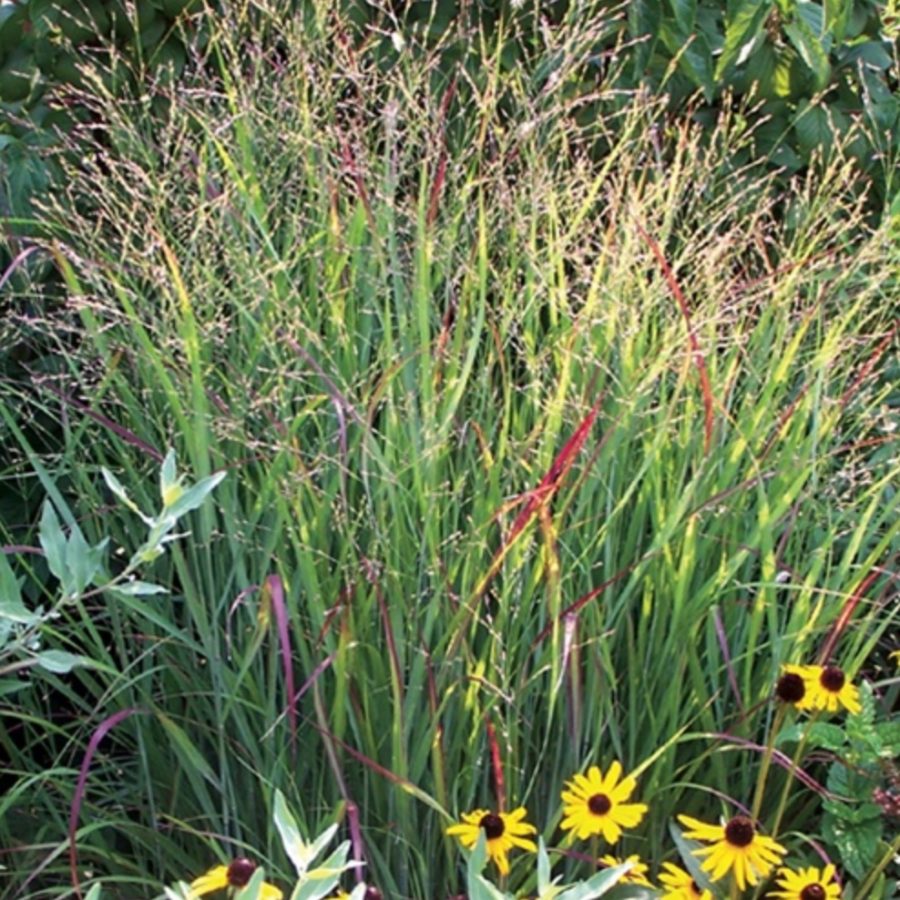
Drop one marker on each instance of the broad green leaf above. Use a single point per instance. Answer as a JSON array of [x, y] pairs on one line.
[[93, 893], [743, 26], [837, 14], [543, 868], [816, 734], [856, 842], [121, 494], [811, 50], [685, 14], [813, 129], [53, 542], [60, 662], [11, 607], [77, 561]]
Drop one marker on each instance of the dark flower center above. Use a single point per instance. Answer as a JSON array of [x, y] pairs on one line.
[[599, 804], [239, 871], [492, 825], [832, 679], [813, 892], [739, 832], [372, 893], [790, 688]]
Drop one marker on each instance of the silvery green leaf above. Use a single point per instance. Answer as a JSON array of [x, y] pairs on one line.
[[139, 589], [194, 496], [251, 890], [11, 607], [53, 542], [298, 851], [77, 561], [168, 475], [119, 491], [686, 848], [93, 893], [59, 662], [597, 885]]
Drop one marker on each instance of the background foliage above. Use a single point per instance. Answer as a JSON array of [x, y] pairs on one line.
[[536, 455]]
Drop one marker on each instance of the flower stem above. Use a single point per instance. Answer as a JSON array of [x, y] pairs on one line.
[[795, 761], [766, 763]]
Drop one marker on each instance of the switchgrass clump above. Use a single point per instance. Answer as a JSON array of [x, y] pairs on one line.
[[535, 456]]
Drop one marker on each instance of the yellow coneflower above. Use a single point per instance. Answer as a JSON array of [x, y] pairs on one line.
[[680, 885], [807, 884], [594, 804], [236, 874], [637, 874], [503, 832], [736, 847]]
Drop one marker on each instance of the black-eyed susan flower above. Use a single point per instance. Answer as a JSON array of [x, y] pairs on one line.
[[637, 874], [737, 847], [503, 832], [827, 688], [594, 804], [680, 885], [236, 875], [807, 884], [791, 685]]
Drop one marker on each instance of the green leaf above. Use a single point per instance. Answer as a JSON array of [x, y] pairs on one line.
[[11, 686], [817, 734], [744, 25], [686, 848], [811, 50], [685, 14], [53, 542], [194, 496], [121, 494], [252, 889], [139, 589], [59, 662], [11, 607], [188, 750], [856, 842], [837, 14], [813, 129], [93, 893], [77, 561], [299, 852], [597, 885]]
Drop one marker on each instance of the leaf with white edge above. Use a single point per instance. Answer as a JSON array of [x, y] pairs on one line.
[[543, 868], [686, 848], [742, 27], [59, 662], [298, 851], [93, 893], [597, 885], [253, 888], [139, 589], [194, 496], [53, 542], [120, 493], [478, 888], [168, 474]]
